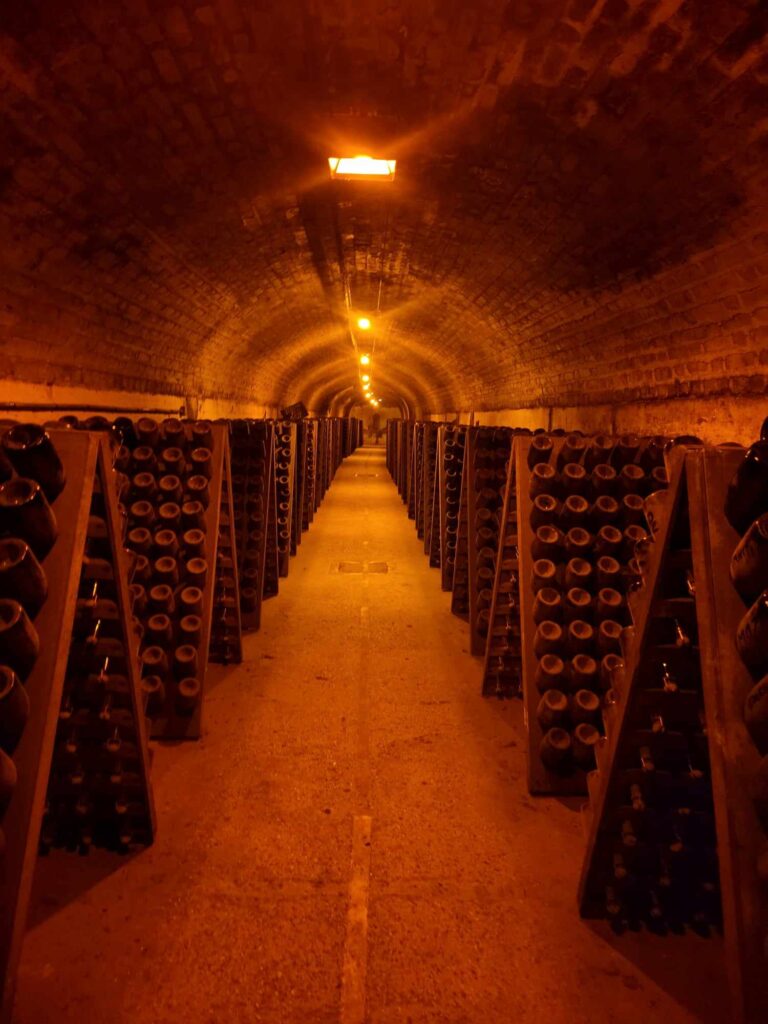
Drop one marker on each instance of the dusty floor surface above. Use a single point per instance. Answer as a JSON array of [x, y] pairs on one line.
[[356, 700]]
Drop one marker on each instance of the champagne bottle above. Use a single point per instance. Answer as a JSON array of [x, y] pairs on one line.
[[611, 668], [608, 572], [144, 487], [550, 673], [749, 563], [555, 748], [198, 489], [8, 779], [577, 604], [187, 695], [185, 661], [584, 740], [578, 543], [31, 451], [609, 636], [547, 605], [147, 432], [142, 513], [756, 714], [171, 489], [574, 512], [747, 495], [159, 630], [548, 639], [544, 480], [573, 450], [583, 672], [752, 636], [608, 541], [143, 460], [632, 480], [173, 461], [14, 709], [575, 479], [605, 511], [19, 642], [21, 575], [552, 710], [585, 707], [547, 543], [169, 514], [161, 599], [544, 574], [545, 511], [581, 638], [578, 573], [196, 572], [191, 600], [604, 480], [540, 450], [26, 514], [190, 630], [633, 510], [599, 452], [610, 605]]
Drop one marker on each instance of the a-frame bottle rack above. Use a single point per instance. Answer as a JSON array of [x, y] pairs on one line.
[[580, 515], [226, 646], [658, 815], [488, 456], [260, 449], [300, 483], [450, 459], [685, 787], [310, 472], [285, 482], [174, 504], [459, 583], [271, 577], [419, 444], [105, 797], [502, 662], [431, 494]]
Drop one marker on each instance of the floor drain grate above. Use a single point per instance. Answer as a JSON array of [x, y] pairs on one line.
[[362, 567]]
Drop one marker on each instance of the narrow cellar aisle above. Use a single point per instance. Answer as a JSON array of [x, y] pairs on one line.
[[356, 712]]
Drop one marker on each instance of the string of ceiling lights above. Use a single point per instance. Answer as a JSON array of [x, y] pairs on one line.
[[362, 168]]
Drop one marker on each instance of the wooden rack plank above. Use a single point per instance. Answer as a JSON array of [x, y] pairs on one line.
[[502, 666], [169, 724], [734, 758], [21, 822], [226, 646]]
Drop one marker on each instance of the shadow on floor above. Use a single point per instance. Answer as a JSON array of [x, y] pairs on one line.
[[689, 968], [61, 878]]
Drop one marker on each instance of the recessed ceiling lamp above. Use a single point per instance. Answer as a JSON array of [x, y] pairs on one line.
[[365, 378], [365, 360], [364, 323], [361, 168]]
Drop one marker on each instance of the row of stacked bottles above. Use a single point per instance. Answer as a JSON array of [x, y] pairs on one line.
[[643, 675], [122, 546]]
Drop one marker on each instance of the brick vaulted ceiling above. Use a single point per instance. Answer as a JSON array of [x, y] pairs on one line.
[[579, 213]]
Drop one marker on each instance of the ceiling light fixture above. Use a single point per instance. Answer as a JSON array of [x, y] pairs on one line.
[[364, 323], [365, 168], [365, 360], [365, 378]]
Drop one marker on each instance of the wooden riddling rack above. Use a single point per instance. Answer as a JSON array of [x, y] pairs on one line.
[[457, 581], [501, 649], [486, 476], [673, 835], [173, 518], [450, 461], [96, 790], [285, 481], [419, 468], [431, 494], [226, 646], [583, 605]]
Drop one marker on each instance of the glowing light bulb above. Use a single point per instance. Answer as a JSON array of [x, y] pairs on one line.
[[364, 323], [365, 360], [365, 378]]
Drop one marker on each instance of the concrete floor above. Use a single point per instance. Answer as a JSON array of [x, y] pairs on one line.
[[356, 713]]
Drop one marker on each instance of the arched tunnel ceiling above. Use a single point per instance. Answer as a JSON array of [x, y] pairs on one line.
[[578, 215]]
